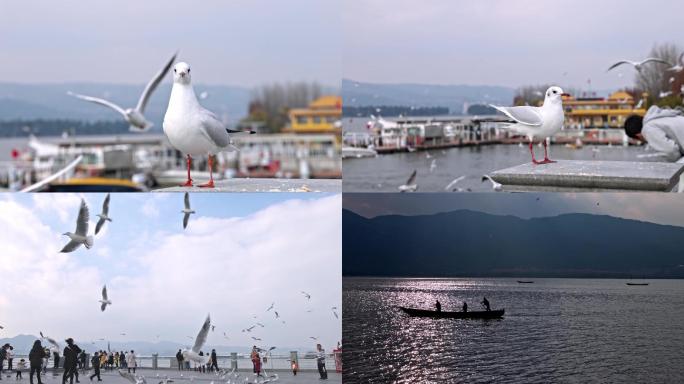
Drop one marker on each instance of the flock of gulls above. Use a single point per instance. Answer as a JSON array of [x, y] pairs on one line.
[[543, 122], [81, 237], [190, 128]]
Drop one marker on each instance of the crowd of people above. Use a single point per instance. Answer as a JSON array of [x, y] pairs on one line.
[[73, 359]]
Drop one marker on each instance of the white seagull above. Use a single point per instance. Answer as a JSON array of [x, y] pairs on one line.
[[187, 211], [104, 216], [538, 122], [495, 186], [308, 297], [271, 307], [638, 65], [51, 341], [410, 185], [679, 66], [192, 129], [81, 235], [105, 300], [134, 116], [193, 354]]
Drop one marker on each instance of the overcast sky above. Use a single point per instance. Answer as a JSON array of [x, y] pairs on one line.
[[651, 207], [240, 253], [236, 42], [502, 42]]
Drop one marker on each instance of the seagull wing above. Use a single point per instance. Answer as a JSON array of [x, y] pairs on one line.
[[212, 128], [82, 221], [202, 335], [152, 85], [619, 63], [97, 100], [185, 220], [104, 293], [105, 206], [656, 60], [99, 225], [186, 200], [70, 247], [103, 306], [524, 114], [410, 180], [53, 342], [454, 182]]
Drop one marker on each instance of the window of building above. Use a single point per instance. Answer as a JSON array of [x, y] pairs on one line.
[[302, 119]]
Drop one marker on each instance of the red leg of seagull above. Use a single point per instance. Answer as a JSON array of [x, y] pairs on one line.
[[534, 161], [210, 184], [546, 156], [189, 182]]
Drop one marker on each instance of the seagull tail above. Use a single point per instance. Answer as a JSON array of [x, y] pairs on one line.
[[89, 241]]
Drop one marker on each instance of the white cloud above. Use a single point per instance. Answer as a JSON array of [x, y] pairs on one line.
[[229, 267]]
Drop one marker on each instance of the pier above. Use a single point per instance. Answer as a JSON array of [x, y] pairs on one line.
[[592, 176]]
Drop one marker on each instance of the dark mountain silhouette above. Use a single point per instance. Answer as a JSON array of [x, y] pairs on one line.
[[467, 243]]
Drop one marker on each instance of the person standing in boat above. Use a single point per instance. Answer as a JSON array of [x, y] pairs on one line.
[[439, 306], [485, 302], [465, 307]]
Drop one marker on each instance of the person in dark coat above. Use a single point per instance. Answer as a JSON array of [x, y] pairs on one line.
[[36, 357], [71, 352], [55, 356], [213, 361], [95, 361], [82, 359], [179, 357], [439, 306], [485, 303], [3, 356]]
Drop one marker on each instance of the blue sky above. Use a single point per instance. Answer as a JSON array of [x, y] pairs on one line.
[[240, 253], [502, 42], [235, 42]]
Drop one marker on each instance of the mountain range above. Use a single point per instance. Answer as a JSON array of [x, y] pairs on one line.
[[22, 345], [359, 94], [468, 243]]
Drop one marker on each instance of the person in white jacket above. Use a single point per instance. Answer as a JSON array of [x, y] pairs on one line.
[[662, 129], [130, 361]]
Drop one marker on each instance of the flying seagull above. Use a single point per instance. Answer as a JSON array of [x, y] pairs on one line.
[[193, 354], [191, 128], [313, 338], [186, 211], [105, 301], [277, 315], [256, 338], [51, 341], [81, 235], [495, 186], [679, 66], [538, 122], [638, 65], [271, 307], [308, 297], [410, 185], [134, 116], [104, 216]]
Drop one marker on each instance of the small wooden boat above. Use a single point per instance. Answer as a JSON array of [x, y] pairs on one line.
[[525, 282], [637, 283], [495, 314]]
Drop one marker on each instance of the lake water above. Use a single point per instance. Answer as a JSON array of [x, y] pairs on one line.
[[555, 330], [385, 173]]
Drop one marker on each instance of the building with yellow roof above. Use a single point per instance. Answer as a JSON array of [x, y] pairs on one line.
[[595, 112], [322, 116]]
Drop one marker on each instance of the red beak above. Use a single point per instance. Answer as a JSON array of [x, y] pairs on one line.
[[565, 94]]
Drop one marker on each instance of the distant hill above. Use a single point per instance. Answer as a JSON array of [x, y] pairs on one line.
[[467, 243], [50, 101], [359, 94], [22, 345]]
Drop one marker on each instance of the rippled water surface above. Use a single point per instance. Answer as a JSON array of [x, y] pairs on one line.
[[555, 330]]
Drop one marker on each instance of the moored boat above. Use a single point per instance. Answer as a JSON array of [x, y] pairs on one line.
[[495, 314], [525, 282], [637, 283]]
